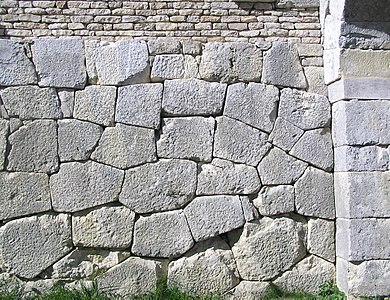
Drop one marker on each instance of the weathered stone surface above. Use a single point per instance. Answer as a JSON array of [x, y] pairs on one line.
[[225, 177], [248, 290], [105, 227], [34, 148], [316, 81], [255, 104], [120, 63], [267, 249], [30, 245], [250, 212], [231, 62], [60, 62], [190, 137], [282, 66], [31, 102], [320, 238], [274, 200], [280, 168], [191, 47], [164, 46], [239, 142], [170, 66], [164, 185], [193, 97], [4, 130], [23, 194], [14, 124], [298, 3], [39, 287], [368, 158], [124, 146], [79, 186], [15, 67], [67, 102], [285, 134], [96, 104], [139, 104], [77, 139], [210, 216], [162, 235], [314, 194]]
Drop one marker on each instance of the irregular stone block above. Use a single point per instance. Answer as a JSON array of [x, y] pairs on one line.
[[225, 177], [34, 148], [190, 137], [255, 104], [96, 104], [39, 287], [4, 130], [168, 67], [164, 46], [250, 212], [60, 62], [316, 81], [164, 185], [239, 142], [40, 242], [124, 146], [67, 102], [275, 200], [248, 290], [320, 238], [31, 102], [139, 104], [191, 47], [231, 62], [282, 66], [210, 216], [285, 134], [193, 97], [78, 186], [314, 194], [15, 67], [162, 235], [77, 139]]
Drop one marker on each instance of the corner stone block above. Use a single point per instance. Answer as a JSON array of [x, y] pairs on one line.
[[275, 200], [320, 238], [4, 130], [285, 134], [168, 67]]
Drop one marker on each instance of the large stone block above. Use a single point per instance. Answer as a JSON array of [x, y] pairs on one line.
[[321, 238], [248, 290], [275, 200], [4, 130], [285, 134]]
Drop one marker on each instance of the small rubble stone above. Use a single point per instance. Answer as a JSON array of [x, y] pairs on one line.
[[285, 134], [164, 46], [168, 67], [316, 81], [274, 200], [320, 238], [4, 130], [39, 287], [67, 102], [248, 290]]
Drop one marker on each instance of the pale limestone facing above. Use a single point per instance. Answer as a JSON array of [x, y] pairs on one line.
[[320, 238], [285, 134], [248, 290], [274, 200]]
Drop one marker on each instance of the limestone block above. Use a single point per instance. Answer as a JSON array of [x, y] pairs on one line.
[[249, 210], [298, 3], [67, 102], [275, 200], [139, 104], [96, 104], [77, 139], [239, 142], [164, 185], [60, 62], [255, 104], [78, 186], [124, 146], [316, 81], [190, 137], [30, 245], [39, 287], [193, 97], [320, 238], [162, 235], [191, 47], [31, 102], [15, 67], [248, 290], [120, 63], [105, 227], [191, 67], [14, 124], [267, 249], [210, 216], [285, 134], [225, 177], [4, 130], [34, 148], [304, 110], [169, 66], [282, 67], [280, 168], [231, 62], [164, 46]]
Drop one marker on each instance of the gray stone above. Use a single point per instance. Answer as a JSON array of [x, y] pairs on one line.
[[304, 110], [31, 102], [191, 67], [96, 104], [139, 104], [164, 185], [191, 47], [275, 200], [78, 186], [314, 194], [320, 238], [316, 81], [268, 248], [298, 3], [120, 63], [193, 97], [162, 235], [15, 67], [190, 137], [210, 216], [105, 227], [255, 104], [124, 146], [4, 130], [280, 168], [23, 194], [34, 148], [40, 242], [225, 177], [248, 290], [67, 102], [14, 124], [168, 67], [250, 212], [239, 142], [38, 287], [164, 46], [60, 62], [285, 134], [231, 62], [282, 66], [77, 139]]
